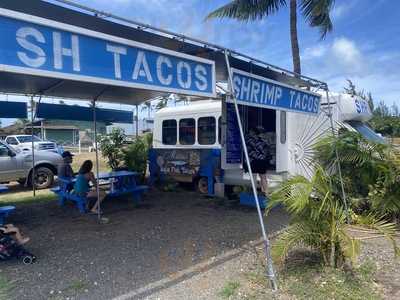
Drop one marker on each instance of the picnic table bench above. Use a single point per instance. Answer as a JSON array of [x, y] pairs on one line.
[[5, 210], [121, 183]]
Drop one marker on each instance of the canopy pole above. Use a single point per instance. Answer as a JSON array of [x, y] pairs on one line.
[[338, 161], [137, 121], [97, 162], [270, 267], [33, 150]]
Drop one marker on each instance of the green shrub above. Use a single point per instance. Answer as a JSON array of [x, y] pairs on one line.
[[136, 154], [111, 146], [370, 172]]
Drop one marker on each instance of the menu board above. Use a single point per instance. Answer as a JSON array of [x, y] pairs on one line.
[[233, 142]]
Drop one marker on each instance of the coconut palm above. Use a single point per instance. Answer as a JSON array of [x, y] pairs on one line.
[[316, 13], [319, 220]]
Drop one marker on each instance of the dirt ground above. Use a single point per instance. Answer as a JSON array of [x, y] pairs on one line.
[[243, 277], [161, 239]]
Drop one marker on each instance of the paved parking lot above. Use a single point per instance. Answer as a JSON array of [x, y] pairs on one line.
[[78, 258]]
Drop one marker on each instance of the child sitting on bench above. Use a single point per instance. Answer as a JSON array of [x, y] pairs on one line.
[[82, 187]]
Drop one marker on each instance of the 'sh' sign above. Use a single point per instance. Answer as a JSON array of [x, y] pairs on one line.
[[36, 46]]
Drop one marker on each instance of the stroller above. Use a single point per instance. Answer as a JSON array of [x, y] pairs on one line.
[[10, 249]]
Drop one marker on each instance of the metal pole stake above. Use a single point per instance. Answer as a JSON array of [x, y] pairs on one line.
[[270, 267], [97, 161]]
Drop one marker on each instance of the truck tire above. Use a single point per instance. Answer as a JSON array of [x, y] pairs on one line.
[[44, 178]]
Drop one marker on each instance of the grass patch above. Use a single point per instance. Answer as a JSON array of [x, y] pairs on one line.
[[77, 286], [303, 277], [5, 288], [80, 158], [229, 289], [26, 197], [319, 283]]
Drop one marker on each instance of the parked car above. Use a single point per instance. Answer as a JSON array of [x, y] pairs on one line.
[[16, 165], [24, 143]]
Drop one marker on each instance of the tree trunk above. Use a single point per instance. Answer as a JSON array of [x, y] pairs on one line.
[[293, 37]]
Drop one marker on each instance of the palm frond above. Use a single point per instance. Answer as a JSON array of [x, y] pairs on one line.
[[381, 226], [246, 10], [298, 234], [317, 14]]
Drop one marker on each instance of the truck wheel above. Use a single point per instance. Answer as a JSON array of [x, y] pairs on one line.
[[202, 185], [44, 178]]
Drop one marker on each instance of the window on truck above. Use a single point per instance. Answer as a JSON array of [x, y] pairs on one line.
[[187, 131], [169, 135], [206, 130], [12, 141]]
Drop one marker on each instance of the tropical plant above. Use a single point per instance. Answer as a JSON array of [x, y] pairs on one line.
[[370, 171], [316, 13], [319, 220], [111, 147], [136, 154]]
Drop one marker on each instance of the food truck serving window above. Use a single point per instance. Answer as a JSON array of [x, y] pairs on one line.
[[366, 132], [187, 131], [206, 128], [169, 135]]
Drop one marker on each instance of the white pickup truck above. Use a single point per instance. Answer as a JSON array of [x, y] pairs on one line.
[[24, 143], [16, 165]]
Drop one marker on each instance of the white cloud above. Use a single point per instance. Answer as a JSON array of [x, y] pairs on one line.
[[340, 11], [370, 68], [347, 54], [314, 52]]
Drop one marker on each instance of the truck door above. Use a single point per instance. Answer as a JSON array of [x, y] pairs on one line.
[[8, 165]]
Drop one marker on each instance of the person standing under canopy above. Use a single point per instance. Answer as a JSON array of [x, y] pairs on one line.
[[259, 156]]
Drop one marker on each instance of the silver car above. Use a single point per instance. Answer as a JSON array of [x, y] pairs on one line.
[[16, 165]]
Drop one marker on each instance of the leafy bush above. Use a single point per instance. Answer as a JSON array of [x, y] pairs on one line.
[[319, 220], [111, 147], [135, 155], [370, 172]]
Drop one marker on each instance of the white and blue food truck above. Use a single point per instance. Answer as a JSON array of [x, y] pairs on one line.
[[200, 142]]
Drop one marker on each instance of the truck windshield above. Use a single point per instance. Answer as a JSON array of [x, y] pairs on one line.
[[28, 139], [366, 132]]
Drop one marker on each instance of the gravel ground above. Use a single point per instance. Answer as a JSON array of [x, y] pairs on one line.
[[209, 284], [380, 251], [164, 239]]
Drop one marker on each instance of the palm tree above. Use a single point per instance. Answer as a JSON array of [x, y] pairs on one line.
[[316, 13]]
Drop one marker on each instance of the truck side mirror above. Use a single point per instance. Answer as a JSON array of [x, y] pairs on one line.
[[11, 153]]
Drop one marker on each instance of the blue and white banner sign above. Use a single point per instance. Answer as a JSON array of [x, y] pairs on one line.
[[36, 46], [258, 91]]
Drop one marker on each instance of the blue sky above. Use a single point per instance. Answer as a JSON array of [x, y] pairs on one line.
[[364, 45]]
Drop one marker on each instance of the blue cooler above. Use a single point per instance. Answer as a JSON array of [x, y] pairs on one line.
[[247, 199]]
